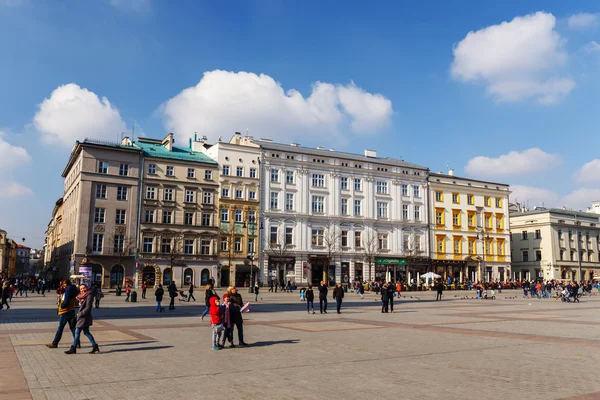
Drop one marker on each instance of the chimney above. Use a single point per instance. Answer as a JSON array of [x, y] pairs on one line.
[[168, 141], [451, 172], [320, 148], [370, 153]]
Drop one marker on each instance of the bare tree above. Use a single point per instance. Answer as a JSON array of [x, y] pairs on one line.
[[370, 249], [278, 247], [332, 238], [172, 252], [412, 250], [122, 247]]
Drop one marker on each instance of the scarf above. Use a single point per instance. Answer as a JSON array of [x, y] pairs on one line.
[[227, 316], [83, 295]]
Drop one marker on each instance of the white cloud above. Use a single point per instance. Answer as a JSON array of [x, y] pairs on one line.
[[12, 156], [10, 189], [589, 173], [74, 113], [592, 47], [526, 162], [580, 198], [516, 60], [132, 5], [583, 21], [224, 102], [12, 3], [532, 196]]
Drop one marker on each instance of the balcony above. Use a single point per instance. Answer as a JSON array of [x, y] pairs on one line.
[[501, 258], [457, 256], [440, 256]]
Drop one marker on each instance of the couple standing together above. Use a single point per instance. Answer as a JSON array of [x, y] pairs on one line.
[[338, 295]]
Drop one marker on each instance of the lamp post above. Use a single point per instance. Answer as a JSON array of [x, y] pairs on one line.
[[483, 237], [578, 238], [251, 221]]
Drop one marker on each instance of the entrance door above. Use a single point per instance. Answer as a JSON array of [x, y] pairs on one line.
[[204, 277], [225, 277], [97, 274], [317, 274], [117, 273], [149, 276], [167, 277]]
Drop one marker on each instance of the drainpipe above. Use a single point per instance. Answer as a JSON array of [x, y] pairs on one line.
[[136, 250], [261, 207]]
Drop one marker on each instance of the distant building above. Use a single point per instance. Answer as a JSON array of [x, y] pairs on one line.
[[56, 259], [22, 264], [595, 208], [3, 254]]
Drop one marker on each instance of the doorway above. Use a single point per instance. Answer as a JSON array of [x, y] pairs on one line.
[[317, 274], [117, 273], [204, 277], [149, 276]]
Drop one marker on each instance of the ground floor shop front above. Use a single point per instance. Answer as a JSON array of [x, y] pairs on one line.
[[200, 274], [562, 272], [471, 269]]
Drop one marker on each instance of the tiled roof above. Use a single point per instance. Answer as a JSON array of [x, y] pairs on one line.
[[178, 153]]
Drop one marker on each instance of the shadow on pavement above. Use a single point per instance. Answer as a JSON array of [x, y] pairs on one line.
[[273, 342], [134, 349]]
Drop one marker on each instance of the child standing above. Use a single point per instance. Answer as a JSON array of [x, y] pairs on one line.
[[228, 320], [256, 289], [216, 321], [310, 298]]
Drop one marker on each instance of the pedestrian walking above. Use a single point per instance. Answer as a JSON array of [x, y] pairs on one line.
[[98, 295], [384, 299], [338, 295], [276, 284], [66, 312], [191, 292], [207, 296], [144, 287], [127, 292], [11, 292], [323, 290], [236, 299], [270, 285], [310, 299], [84, 319], [5, 294], [440, 290], [172, 294], [159, 293], [256, 290], [216, 322], [361, 291]]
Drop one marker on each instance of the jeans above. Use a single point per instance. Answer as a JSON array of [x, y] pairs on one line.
[[310, 305], [62, 322], [127, 298], [338, 303], [240, 328], [86, 332], [439, 296], [323, 305], [384, 306], [172, 304], [158, 306], [144, 294], [391, 301], [216, 334], [205, 311], [191, 296], [227, 335]]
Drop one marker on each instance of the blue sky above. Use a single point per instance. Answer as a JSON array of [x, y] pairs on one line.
[[514, 101]]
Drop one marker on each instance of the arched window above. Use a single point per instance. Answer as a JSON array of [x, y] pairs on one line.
[[117, 273], [205, 277], [167, 276], [149, 276], [188, 276]]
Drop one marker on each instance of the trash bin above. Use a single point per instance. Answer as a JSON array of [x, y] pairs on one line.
[[133, 297], [345, 289], [118, 293]]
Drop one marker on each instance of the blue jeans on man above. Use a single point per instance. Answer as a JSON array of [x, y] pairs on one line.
[[65, 319]]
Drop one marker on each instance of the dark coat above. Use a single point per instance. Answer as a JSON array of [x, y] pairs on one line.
[[309, 295], [191, 288], [440, 287], [172, 290], [338, 293], [238, 303], [323, 290], [385, 294], [207, 295], [159, 294], [84, 316], [256, 289]]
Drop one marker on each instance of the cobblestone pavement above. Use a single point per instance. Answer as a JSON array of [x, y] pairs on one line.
[[459, 348]]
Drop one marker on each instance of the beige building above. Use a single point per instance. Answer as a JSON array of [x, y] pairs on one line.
[[469, 231], [97, 229], [3, 254], [56, 264], [8, 256], [178, 221], [239, 176], [555, 244]]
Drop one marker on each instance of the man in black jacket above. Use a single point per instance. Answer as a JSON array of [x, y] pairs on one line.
[[440, 290], [384, 299], [338, 295], [191, 292], [323, 297], [390, 295], [236, 299], [172, 294]]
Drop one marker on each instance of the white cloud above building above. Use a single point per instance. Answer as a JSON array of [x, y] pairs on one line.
[[583, 21], [515, 163]]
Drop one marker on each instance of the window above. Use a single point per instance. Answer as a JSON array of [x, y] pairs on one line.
[[97, 242], [471, 219], [275, 175], [562, 255], [404, 211], [100, 191], [382, 187], [208, 175], [252, 216], [456, 218], [205, 219], [317, 237], [224, 215], [121, 193], [417, 243], [498, 202], [165, 245], [439, 196], [416, 191], [250, 245], [273, 235], [499, 222], [207, 198], [488, 221], [252, 195], [274, 200], [120, 217], [357, 185], [357, 241], [382, 241], [288, 235], [124, 169], [524, 235], [205, 247], [99, 215], [225, 192], [455, 198], [148, 245], [252, 172], [471, 246], [239, 193], [344, 183], [149, 216], [170, 171], [440, 244], [289, 177], [224, 244], [572, 255], [318, 180], [150, 192], [525, 255], [500, 248], [538, 234], [102, 167], [318, 204], [289, 201], [188, 218], [487, 201], [190, 196], [225, 169], [344, 238], [238, 216], [188, 246], [344, 207], [152, 169], [470, 199], [239, 171], [357, 208], [191, 173], [538, 255], [570, 235], [417, 213], [167, 217], [439, 216], [404, 190], [457, 245], [168, 194], [382, 209]]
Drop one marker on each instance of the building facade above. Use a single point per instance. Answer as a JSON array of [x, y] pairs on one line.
[[3, 254], [56, 264], [23, 255], [239, 163], [469, 230], [555, 244], [178, 224], [340, 217]]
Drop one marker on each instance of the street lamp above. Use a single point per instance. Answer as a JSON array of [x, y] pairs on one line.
[[247, 223], [483, 237], [578, 238]]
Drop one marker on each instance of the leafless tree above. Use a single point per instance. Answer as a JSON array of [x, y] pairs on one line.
[[332, 241], [370, 249], [122, 247], [172, 252], [278, 247]]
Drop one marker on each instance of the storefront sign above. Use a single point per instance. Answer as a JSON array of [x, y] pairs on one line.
[[85, 271], [390, 261], [281, 259]]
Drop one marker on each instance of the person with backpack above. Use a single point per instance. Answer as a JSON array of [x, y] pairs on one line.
[[159, 293]]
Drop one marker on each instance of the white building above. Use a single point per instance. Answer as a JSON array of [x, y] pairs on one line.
[[465, 214], [340, 216], [555, 244]]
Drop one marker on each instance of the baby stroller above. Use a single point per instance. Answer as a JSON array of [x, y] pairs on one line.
[[566, 295], [302, 292], [181, 295]]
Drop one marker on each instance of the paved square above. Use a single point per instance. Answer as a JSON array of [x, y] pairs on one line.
[[454, 349]]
